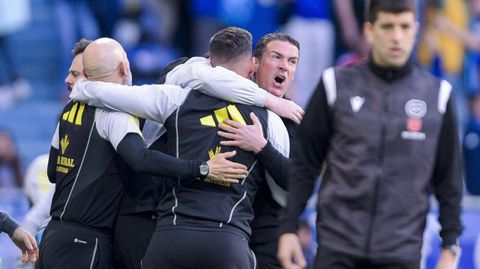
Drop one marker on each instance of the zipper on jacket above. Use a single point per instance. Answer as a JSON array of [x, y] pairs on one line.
[[378, 175]]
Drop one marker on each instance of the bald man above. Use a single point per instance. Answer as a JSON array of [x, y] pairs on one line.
[[90, 158]]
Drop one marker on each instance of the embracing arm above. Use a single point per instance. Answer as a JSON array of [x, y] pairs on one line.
[[134, 151], [277, 164], [154, 102], [123, 133], [198, 73], [272, 153]]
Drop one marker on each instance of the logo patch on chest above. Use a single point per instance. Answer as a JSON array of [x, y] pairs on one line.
[[415, 109], [356, 102]]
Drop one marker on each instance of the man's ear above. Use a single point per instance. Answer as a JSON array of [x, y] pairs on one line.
[[123, 69], [252, 68], [368, 32]]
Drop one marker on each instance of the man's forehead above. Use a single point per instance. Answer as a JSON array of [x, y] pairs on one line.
[[282, 47], [402, 17], [77, 63]]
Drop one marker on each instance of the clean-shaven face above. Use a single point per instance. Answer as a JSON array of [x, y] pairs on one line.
[[276, 67], [392, 37]]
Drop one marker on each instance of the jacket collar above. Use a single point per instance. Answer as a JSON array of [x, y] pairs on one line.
[[390, 74]]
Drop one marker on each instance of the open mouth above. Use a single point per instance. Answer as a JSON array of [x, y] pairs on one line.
[[279, 79]]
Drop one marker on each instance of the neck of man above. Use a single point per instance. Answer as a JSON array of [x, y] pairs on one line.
[[390, 73], [237, 64]]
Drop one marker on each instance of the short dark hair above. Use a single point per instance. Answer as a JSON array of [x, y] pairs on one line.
[[230, 43], [80, 46], [390, 6], [266, 39]]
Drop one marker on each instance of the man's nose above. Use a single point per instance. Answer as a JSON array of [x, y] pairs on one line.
[[283, 64], [397, 34], [68, 79]]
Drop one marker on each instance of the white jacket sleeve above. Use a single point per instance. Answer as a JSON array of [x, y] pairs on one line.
[[113, 126], [219, 82], [55, 139], [278, 134], [278, 137], [154, 102]]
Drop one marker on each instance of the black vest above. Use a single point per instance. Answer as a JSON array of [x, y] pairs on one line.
[[192, 134], [90, 175]]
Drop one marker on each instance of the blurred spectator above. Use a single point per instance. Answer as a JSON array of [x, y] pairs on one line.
[[209, 16], [312, 26], [472, 61], [106, 13], [305, 236], [442, 46], [471, 147], [351, 45], [263, 17], [10, 173], [206, 21], [184, 34], [36, 182], [75, 20], [153, 21], [14, 15], [147, 30]]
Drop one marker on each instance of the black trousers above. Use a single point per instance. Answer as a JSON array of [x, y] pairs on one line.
[[330, 259], [132, 234], [185, 249], [266, 255], [68, 245]]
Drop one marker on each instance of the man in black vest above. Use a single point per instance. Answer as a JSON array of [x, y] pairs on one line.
[[89, 163], [276, 57], [387, 134], [205, 218]]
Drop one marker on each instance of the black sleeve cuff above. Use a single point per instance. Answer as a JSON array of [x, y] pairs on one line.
[[449, 239], [9, 225], [266, 151], [289, 226], [195, 168]]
